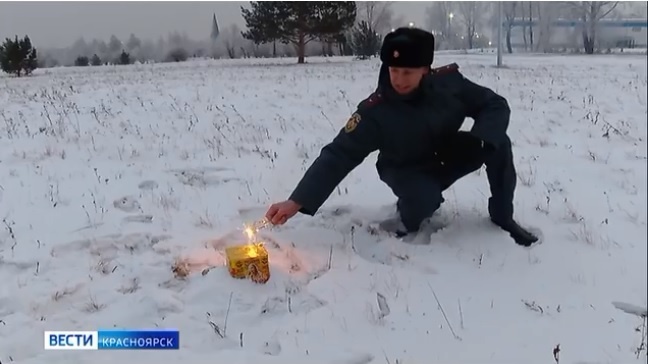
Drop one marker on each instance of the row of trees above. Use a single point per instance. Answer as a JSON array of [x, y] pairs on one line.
[[358, 34], [20, 58], [299, 23], [310, 28], [300, 29], [538, 38], [98, 52], [458, 24], [83, 61]]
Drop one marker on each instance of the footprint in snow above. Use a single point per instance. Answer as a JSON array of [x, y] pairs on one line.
[[127, 204], [202, 177], [360, 359], [110, 245], [299, 304], [148, 185], [146, 219]]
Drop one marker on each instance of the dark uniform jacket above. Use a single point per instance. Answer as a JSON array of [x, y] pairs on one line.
[[410, 132]]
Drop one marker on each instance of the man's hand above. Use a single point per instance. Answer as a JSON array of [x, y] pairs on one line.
[[464, 148], [469, 144], [280, 213]]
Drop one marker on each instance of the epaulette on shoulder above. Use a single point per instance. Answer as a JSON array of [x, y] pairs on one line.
[[447, 69], [373, 99]]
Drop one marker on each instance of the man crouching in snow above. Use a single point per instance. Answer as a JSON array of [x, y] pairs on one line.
[[413, 119]]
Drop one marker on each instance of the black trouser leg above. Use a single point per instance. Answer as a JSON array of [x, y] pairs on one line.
[[499, 170], [418, 193], [502, 179]]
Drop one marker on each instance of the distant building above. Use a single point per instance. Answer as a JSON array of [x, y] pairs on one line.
[[622, 33]]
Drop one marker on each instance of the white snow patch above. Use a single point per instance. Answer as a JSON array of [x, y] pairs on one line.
[[109, 175]]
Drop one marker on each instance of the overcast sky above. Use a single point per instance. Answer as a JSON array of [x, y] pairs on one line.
[[59, 24]]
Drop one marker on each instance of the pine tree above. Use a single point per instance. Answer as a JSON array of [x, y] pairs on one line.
[[29, 60], [297, 22], [262, 27], [95, 60], [124, 58], [365, 42], [81, 61], [18, 56]]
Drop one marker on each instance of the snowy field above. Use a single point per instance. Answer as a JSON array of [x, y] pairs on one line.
[[109, 176]]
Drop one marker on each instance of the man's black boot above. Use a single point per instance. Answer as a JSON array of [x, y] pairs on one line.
[[520, 235], [502, 179]]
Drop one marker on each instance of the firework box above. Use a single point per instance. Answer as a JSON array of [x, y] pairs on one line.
[[248, 261]]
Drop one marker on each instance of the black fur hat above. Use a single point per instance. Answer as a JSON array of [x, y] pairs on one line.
[[408, 47]]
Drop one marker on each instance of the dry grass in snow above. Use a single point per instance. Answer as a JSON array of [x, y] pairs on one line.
[[112, 175]]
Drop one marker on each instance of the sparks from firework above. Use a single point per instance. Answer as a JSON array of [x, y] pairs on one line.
[[251, 230]]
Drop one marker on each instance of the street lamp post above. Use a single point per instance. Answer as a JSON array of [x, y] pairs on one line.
[[450, 34], [499, 34]]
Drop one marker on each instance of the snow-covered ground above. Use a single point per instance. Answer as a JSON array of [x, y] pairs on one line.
[[109, 176]]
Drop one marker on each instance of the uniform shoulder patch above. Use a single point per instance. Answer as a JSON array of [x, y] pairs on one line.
[[352, 123], [372, 100], [449, 68]]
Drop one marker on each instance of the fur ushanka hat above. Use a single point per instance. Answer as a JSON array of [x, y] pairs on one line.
[[408, 47]]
